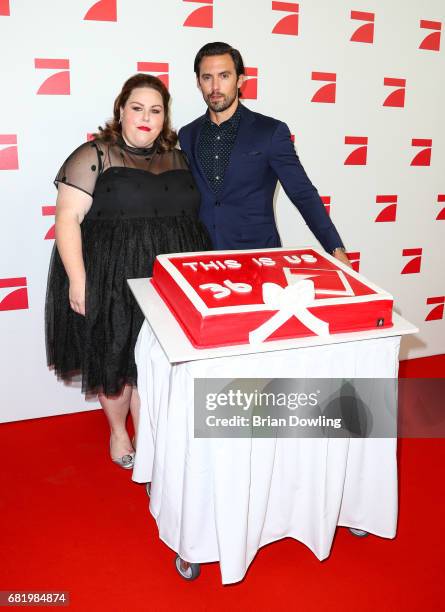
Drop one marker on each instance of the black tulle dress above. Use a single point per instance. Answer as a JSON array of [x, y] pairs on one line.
[[144, 203]]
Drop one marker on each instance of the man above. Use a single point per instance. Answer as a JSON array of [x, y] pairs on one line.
[[237, 156]]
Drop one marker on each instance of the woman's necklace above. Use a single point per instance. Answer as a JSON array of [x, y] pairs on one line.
[[147, 152]]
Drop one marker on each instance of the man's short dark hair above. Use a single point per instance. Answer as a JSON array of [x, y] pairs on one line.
[[219, 48]]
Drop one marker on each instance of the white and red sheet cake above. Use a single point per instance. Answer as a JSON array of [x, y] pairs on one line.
[[235, 297]]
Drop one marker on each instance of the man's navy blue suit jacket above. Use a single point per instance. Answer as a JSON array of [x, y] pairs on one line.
[[241, 216]]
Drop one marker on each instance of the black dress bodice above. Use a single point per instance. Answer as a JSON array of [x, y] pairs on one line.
[[131, 192]]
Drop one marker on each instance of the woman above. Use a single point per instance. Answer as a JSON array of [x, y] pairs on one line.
[[122, 199]]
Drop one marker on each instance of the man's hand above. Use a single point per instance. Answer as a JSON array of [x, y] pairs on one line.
[[341, 256]]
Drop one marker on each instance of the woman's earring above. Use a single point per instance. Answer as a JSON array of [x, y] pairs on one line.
[[120, 119]]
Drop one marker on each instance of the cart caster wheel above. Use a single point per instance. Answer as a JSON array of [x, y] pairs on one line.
[[359, 533], [188, 571], [148, 488]]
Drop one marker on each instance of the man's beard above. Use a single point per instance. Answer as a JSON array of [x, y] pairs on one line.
[[218, 106]]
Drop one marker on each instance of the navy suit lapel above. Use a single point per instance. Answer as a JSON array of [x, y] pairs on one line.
[[244, 127]]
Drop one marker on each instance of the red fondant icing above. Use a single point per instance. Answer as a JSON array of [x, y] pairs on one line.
[[191, 283]]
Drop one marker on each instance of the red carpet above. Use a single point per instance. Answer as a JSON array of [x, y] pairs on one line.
[[72, 521], [426, 367]]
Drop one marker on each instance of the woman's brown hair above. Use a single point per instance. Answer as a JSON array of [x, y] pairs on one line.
[[167, 139]]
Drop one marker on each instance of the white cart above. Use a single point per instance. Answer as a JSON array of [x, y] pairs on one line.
[[221, 499]]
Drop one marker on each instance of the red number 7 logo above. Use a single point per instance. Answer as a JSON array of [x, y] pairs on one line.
[[16, 299]]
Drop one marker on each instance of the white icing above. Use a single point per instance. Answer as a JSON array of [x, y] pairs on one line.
[[211, 265], [192, 264], [238, 287], [291, 301], [219, 291], [232, 263], [293, 259], [167, 262]]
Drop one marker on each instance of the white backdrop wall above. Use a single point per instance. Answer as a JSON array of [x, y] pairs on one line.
[[62, 64]]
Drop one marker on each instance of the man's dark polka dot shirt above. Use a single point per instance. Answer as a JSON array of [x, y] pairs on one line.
[[215, 146]]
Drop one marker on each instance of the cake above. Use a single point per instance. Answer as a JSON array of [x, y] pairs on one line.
[[234, 297]]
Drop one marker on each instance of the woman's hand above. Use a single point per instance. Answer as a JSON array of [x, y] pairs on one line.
[[77, 297]]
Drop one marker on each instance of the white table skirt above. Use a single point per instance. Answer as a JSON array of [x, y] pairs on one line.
[[222, 499]]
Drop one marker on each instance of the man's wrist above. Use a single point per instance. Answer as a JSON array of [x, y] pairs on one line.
[[339, 249]]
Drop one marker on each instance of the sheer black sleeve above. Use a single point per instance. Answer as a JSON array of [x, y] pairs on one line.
[[82, 168]]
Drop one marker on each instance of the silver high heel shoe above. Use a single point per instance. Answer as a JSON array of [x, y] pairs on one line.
[[126, 461]]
